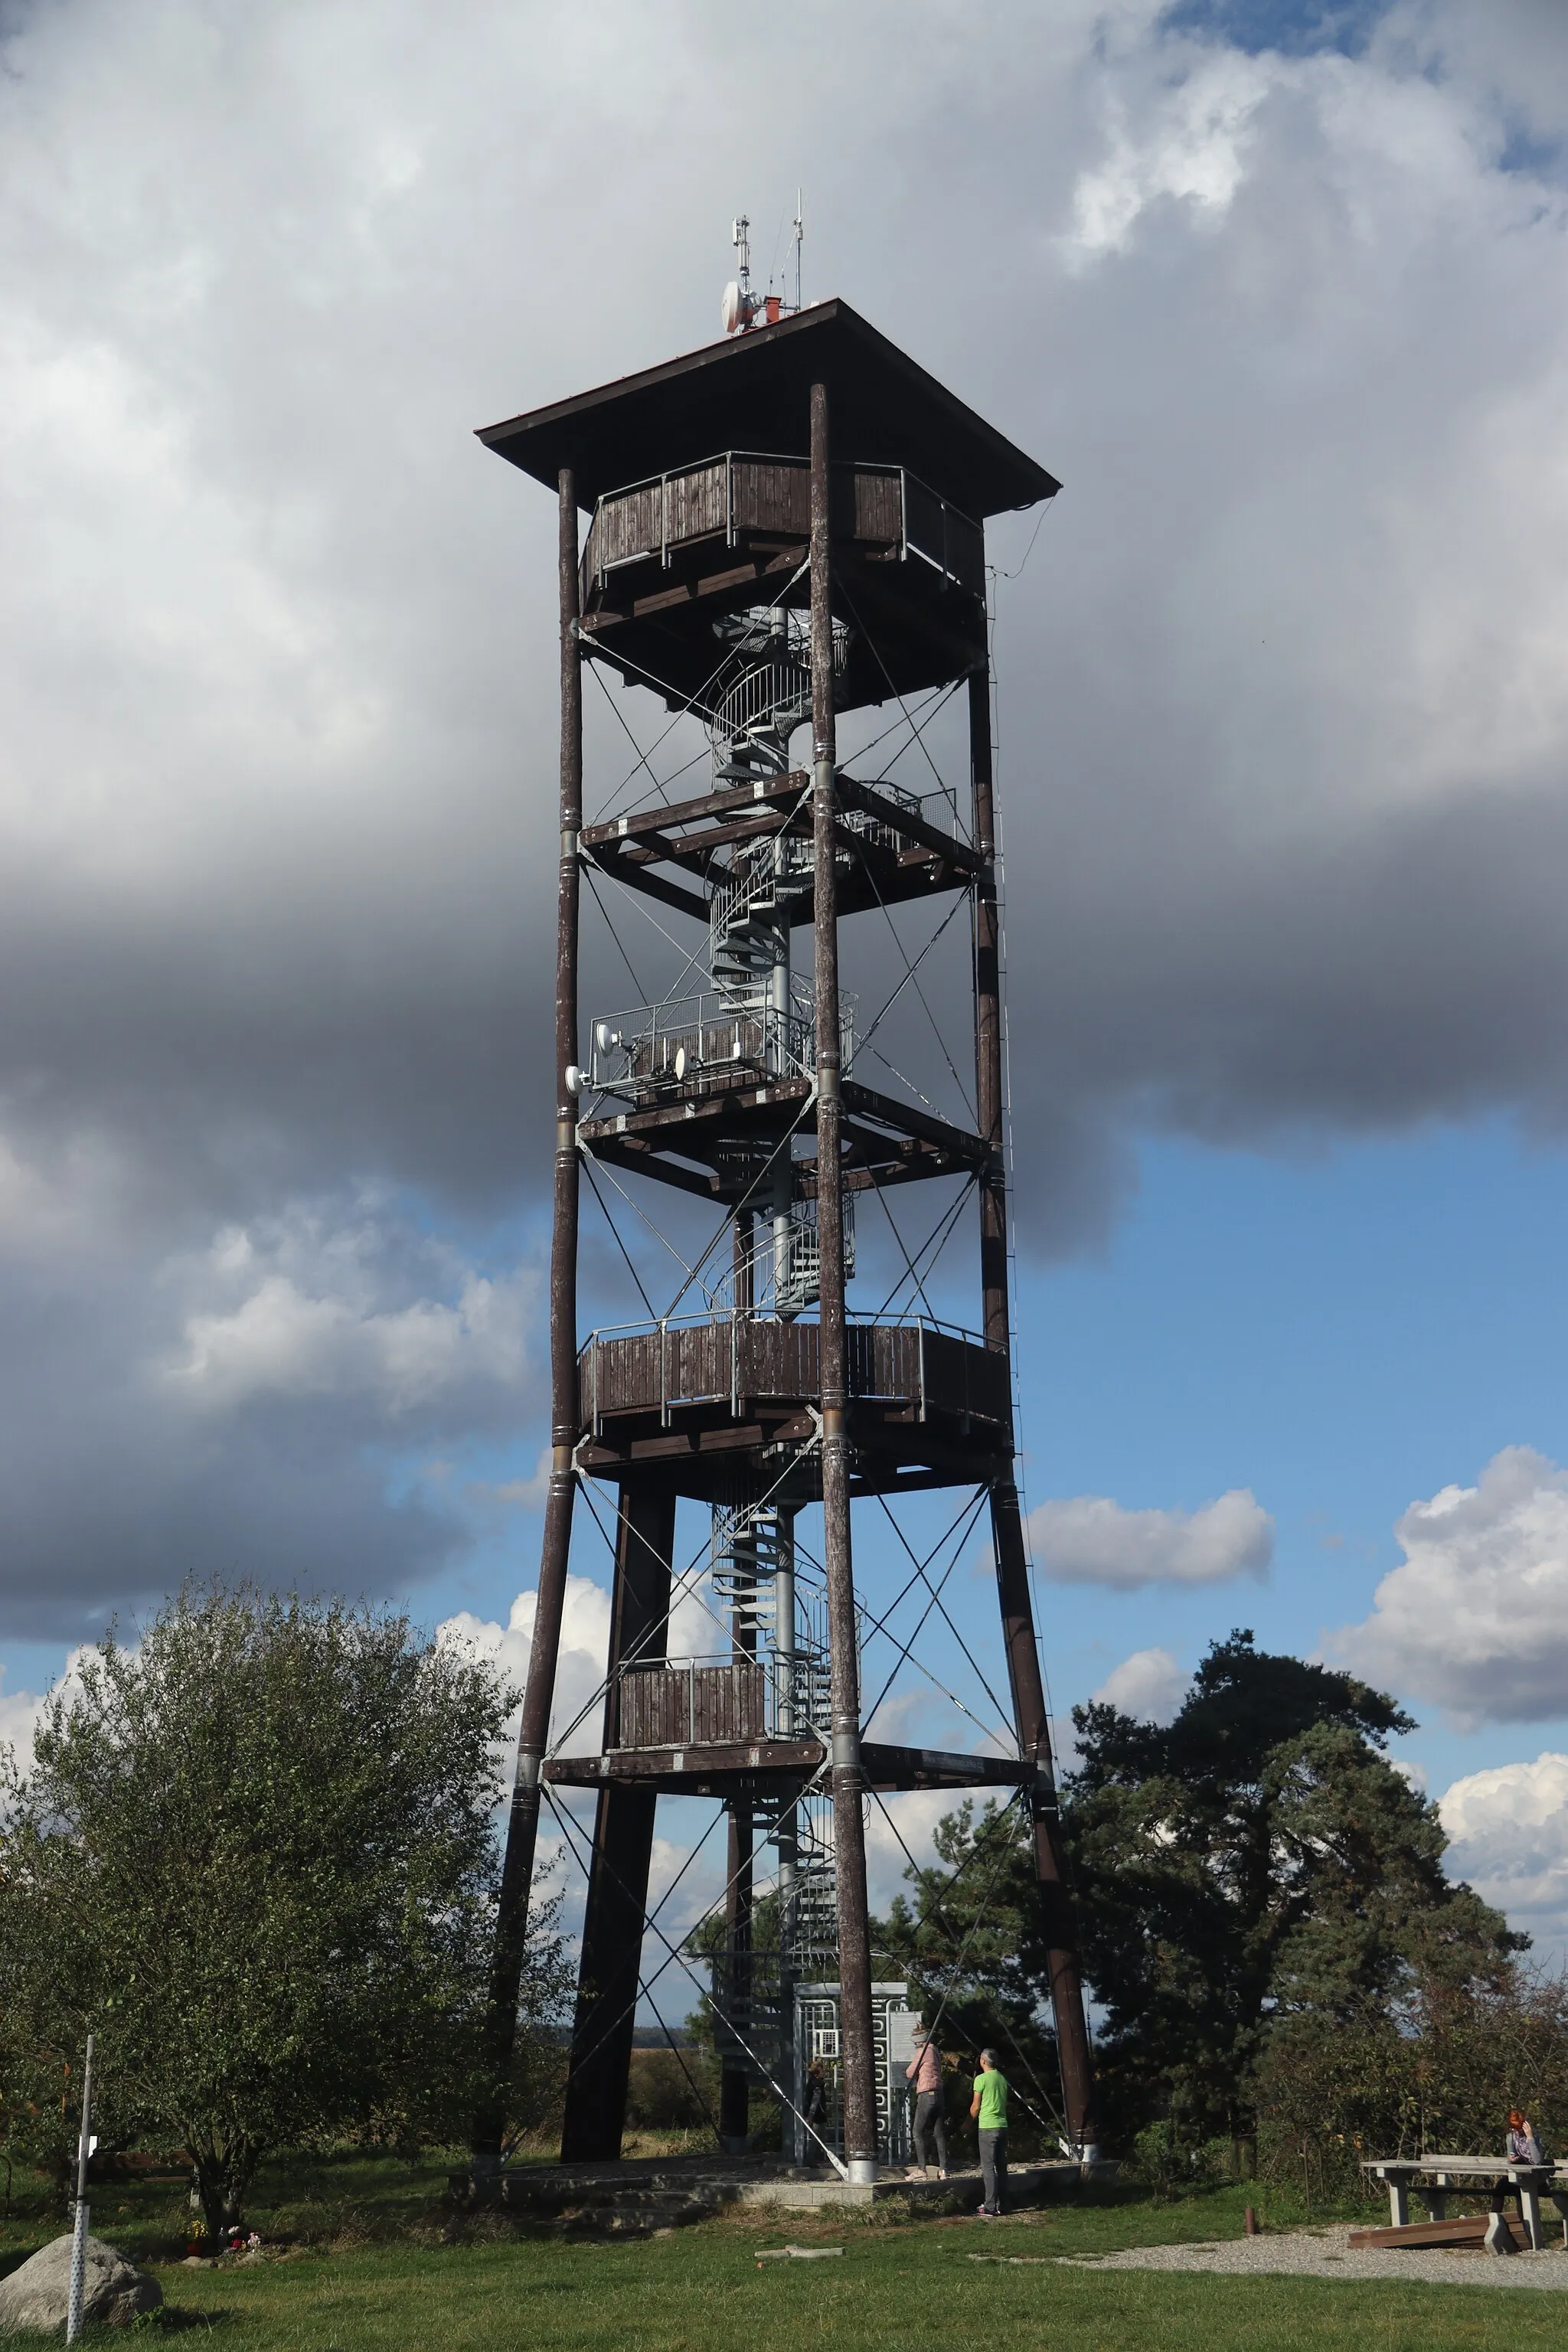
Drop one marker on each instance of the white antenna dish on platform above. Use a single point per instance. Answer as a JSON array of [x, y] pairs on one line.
[[730, 312]]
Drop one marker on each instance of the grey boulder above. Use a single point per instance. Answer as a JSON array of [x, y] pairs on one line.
[[38, 2296]]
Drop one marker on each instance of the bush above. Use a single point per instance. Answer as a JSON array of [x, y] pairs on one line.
[[663, 2096], [1443, 2078], [1172, 2165]]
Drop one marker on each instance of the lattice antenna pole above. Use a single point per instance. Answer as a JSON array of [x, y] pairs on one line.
[[522, 1825], [855, 2044], [1007, 1529]]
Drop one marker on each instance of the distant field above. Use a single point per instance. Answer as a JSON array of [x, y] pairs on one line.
[[900, 2284]]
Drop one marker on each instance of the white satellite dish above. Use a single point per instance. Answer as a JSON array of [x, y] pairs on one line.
[[679, 1062], [730, 310]]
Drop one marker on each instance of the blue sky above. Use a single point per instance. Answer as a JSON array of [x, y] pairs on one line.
[[1343, 1332]]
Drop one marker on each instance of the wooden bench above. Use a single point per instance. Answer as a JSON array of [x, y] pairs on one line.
[[1458, 2229], [1432, 2176]]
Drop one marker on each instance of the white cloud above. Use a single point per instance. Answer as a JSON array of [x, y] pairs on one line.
[[1190, 146], [1148, 1686], [1476, 1617], [1091, 1540], [19, 1712], [1509, 1831], [311, 1319], [580, 1663]]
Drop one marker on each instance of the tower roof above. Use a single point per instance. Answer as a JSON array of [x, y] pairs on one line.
[[752, 392]]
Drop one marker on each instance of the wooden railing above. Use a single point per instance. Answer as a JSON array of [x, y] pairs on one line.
[[741, 1359], [740, 492], [691, 1705]]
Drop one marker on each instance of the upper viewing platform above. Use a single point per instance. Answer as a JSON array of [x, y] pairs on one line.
[[694, 473]]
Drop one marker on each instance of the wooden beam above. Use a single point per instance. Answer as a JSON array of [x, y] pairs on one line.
[[715, 804]]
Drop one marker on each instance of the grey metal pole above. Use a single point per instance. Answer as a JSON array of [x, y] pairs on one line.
[[1011, 1558], [856, 2045], [81, 2217], [522, 1826]]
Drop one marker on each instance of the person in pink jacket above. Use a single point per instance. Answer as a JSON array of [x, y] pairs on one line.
[[923, 2072]]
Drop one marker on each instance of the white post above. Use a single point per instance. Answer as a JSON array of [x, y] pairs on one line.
[[78, 2231]]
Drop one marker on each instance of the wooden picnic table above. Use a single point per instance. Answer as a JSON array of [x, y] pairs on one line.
[[1432, 2176]]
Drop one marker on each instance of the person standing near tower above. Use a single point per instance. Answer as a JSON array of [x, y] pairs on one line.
[[989, 2109], [923, 2073]]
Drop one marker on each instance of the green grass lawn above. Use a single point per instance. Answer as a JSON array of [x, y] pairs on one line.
[[908, 2284]]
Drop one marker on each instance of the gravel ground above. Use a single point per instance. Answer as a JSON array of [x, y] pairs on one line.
[[1326, 2253]]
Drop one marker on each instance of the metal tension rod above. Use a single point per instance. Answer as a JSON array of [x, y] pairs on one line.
[[522, 1825], [1006, 1522], [849, 1822]]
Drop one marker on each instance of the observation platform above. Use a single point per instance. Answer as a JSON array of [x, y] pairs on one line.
[[694, 474], [890, 850], [727, 1768], [666, 557], [709, 1407], [708, 1129]]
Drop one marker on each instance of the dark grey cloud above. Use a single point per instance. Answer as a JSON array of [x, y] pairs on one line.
[[1282, 712]]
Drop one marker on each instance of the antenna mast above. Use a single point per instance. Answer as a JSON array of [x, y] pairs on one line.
[[743, 309]]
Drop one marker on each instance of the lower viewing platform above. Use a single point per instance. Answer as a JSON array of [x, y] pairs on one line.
[[729, 1769], [705, 1404]]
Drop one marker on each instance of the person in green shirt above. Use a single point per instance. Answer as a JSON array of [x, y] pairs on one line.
[[989, 2109]]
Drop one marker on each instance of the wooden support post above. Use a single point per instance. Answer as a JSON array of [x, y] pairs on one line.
[[1006, 1523], [734, 2087], [600, 2068], [737, 1978], [856, 2045], [522, 1825]]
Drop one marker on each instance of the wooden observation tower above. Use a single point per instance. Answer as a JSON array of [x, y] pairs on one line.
[[783, 527]]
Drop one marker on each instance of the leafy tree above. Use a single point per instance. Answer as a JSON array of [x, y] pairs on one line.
[[255, 1854], [1256, 1859], [1254, 1862]]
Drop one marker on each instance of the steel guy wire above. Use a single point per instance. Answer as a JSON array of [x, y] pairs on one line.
[[684, 1586], [903, 1081], [934, 1601], [643, 1985], [957, 1636], [591, 873], [614, 1230], [866, 868], [689, 703], [945, 1227], [731, 2027], [1057, 2119], [893, 690], [663, 1239], [881, 1200], [910, 970]]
